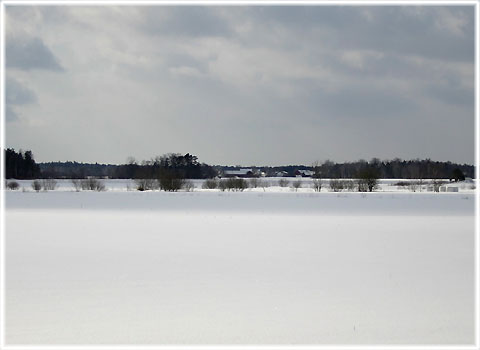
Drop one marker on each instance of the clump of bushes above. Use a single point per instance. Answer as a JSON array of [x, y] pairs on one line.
[[367, 180], [232, 184], [283, 182], [254, 182], [349, 185], [210, 184], [49, 184], [339, 185], [37, 185], [170, 181], [145, 184], [362, 185], [92, 184], [296, 185], [45, 184], [222, 185], [13, 185], [336, 185]]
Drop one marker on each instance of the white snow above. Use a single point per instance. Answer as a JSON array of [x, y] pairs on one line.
[[256, 267]]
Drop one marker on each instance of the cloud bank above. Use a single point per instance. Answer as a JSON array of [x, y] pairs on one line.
[[241, 84]]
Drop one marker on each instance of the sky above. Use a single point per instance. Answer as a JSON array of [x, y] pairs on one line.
[[249, 85]]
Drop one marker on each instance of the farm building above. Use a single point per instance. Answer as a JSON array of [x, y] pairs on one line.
[[304, 173], [239, 173]]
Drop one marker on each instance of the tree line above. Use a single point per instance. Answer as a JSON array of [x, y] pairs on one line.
[[21, 165], [173, 164], [395, 169]]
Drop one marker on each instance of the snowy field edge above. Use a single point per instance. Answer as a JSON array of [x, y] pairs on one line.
[[376, 203]]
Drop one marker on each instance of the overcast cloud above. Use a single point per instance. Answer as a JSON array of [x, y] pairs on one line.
[[247, 85]]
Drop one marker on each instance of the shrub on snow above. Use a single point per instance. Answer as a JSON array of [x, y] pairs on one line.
[[210, 184], [36, 185], [296, 185], [13, 185], [49, 184]]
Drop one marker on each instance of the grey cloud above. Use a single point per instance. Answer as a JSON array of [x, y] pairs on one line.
[[393, 68], [447, 87], [30, 53], [10, 114], [16, 94], [292, 80], [192, 21], [377, 104], [176, 60], [361, 103], [452, 95], [384, 28]]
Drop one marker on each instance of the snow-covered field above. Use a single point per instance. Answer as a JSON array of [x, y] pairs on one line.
[[256, 267]]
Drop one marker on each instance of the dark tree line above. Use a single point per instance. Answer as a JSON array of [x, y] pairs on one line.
[[395, 169], [20, 165], [386, 169], [173, 164], [75, 170]]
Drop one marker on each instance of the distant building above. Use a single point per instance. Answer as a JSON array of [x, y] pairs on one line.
[[239, 173], [304, 173], [448, 188], [281, 174]]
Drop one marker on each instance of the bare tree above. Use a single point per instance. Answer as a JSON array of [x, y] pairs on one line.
[[317, 185], [296, 185], [283, 182]]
